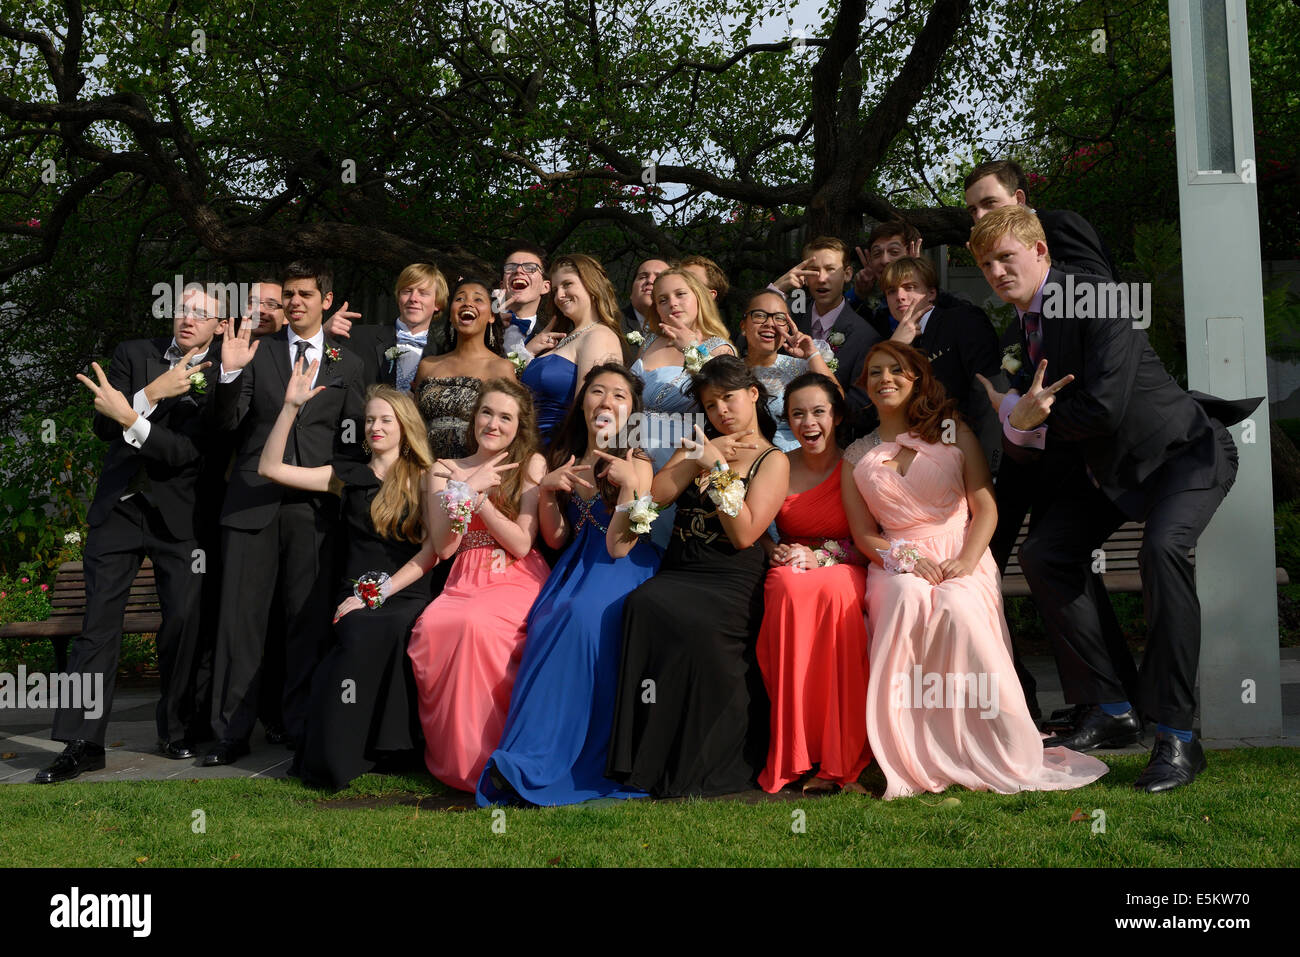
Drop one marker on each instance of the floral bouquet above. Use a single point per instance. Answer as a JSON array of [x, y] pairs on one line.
[[458, 499], [642, 511], [369, 588], [901, 556]]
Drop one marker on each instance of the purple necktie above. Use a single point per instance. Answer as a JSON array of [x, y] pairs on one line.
[[1034, 336]]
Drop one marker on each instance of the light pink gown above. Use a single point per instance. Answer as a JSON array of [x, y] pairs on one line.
[[465, 649], [944, 705]]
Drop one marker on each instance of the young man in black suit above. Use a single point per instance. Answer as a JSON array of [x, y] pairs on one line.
[[1118, 440], [390, 353], [144, 506], [643, 286], [958, 340], [821, 278], [278, 541], [1076, 247]]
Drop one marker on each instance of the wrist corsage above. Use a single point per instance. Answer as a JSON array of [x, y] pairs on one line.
[[458, 499], [371, 589], [901, 556], [694, 356], [641, 512], [830, 553], [726, 489], [518, 361]]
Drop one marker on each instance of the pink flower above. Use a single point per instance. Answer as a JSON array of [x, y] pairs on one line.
[[34, 223], [2, 594], [25, 581], [45, 588]]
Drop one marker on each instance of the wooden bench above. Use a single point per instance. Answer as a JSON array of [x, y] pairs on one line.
[[68, 607], [1121, 574]]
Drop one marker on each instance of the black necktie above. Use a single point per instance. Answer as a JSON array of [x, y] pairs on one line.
[[302, 346]]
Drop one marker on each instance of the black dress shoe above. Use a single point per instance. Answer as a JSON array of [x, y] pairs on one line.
[[275, 734], [1100, 730], [1173, 763], [1064, 720], [77, 757], [226, 752], [178, 750]]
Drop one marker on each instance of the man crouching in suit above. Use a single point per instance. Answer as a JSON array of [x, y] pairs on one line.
[[1119, 440], [277, 542], [144, 506]]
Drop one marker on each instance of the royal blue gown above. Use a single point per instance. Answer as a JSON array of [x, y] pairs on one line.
[[556, 739], [552, 380]]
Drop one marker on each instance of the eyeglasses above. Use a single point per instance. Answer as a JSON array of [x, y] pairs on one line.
[[531, 269], [760, 318], [198, 314], [272, 304]]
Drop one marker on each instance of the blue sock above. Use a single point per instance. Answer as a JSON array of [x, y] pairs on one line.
[[1183, 736], [1115, 708]]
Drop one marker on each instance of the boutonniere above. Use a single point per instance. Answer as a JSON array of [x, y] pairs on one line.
[[836, 339], [396, 352], [936, 355], [635, 338], [1013, 357], [198, 383], [333, 354]]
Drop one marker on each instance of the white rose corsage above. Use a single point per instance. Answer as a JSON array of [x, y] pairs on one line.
[[836, 339], [1013, 358], [198, 383], [694, 356], [725, 488], [518, 361], [901, 556], [635, 338], [641, 512]]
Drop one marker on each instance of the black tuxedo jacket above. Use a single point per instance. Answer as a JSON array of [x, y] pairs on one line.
[[859, 337], [960, 341], [628, 319], [878, 318], [251, 404], [370, 342], [1123, 413], [171, 455], [1074, 245]]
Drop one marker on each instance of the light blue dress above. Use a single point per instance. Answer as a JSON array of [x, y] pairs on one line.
[[775, 378], [668, 403]]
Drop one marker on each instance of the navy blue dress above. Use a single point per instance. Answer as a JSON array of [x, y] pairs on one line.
[[555, 744], [552, 380]]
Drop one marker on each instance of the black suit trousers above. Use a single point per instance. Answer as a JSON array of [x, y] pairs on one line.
[[1091, 655], [294, 557], [115, 549]]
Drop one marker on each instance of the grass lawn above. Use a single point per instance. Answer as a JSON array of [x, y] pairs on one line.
[[1240, 813]]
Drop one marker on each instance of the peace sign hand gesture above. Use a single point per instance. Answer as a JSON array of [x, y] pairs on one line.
[[564, 478], [488, 475], [800, 344], [109, 402], [620, 472], [1034, 406], [797, 277]]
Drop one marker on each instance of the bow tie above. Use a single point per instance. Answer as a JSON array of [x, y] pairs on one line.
[[416, 339], [174, 355]]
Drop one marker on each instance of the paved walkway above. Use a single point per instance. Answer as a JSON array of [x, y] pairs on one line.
[[25, 744]]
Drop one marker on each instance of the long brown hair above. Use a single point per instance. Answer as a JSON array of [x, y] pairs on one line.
[[929, 406], [522, 449], [571, 439], [594, 279], [395, 511]]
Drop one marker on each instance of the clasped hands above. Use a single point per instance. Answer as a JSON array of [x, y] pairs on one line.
[[1032, 408]]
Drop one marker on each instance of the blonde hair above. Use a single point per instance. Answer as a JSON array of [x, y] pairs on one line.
[[417, 274], [522, 449], [710, 320], [1019, 221], [595, 280], [395, 511]]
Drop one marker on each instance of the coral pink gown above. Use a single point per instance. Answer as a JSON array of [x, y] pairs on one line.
[[465, 649], [944, 706], [812, 649]]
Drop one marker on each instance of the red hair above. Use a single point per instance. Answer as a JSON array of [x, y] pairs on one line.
[[929, 406]]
